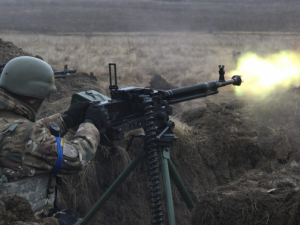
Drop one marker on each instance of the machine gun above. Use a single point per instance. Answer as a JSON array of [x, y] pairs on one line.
[[131, 108], [57, 74]]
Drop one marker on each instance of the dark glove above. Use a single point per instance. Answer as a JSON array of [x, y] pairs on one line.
[[75, 114], [97, 115], [66, 217]]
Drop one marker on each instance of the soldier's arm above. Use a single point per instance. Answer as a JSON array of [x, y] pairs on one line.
[[41, 152], [74, 116], [86, 139], [56, 118], [77, 152], [81, 149]]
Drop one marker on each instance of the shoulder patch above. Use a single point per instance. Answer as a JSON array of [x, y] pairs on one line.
[[69, 151]]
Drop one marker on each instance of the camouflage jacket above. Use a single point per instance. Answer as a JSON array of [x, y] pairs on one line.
[[31, 150]]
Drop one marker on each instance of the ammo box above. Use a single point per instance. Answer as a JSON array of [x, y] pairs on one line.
[[88, 96]]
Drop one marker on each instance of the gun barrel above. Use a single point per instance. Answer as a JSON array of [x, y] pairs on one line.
[[63, 72], [199, 90], [236, 80]]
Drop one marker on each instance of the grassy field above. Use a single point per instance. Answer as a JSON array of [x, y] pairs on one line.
[[184, 42], [181, 58]]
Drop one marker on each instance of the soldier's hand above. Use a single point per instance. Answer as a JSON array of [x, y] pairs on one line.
[[77, 114], [97, 115]]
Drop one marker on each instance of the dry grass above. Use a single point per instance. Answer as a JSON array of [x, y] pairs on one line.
[[181, 58]]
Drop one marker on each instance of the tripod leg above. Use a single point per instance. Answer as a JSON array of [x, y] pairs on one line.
[[164, 157], [115, 185], [180, 185]]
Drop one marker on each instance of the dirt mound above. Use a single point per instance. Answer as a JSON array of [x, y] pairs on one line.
[[279, 123], [74, 83], [15, 210], [256, 198], [229, 143], [9, 51], [159, 83], [271, 129]]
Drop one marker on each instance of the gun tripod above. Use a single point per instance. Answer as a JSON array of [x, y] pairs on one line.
[[164, 138]]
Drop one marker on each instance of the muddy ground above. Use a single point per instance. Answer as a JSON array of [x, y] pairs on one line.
[[239, 160]]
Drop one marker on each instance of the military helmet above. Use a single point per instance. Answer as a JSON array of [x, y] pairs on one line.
[[28, 76]]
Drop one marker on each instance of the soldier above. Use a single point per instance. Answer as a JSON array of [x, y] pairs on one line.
[[30, 156]]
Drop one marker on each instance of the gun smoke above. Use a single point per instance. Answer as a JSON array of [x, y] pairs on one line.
[[264, 75]]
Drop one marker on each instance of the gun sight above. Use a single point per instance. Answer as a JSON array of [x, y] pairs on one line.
[[222, 73], [113, 87]]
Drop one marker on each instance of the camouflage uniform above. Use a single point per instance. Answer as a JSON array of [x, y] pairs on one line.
[[30, 149]]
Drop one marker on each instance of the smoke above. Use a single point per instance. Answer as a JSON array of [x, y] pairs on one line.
[[263, 75]]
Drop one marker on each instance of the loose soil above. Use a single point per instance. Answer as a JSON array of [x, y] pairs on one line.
[[15, 210], [9, 51], [266, 192]]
